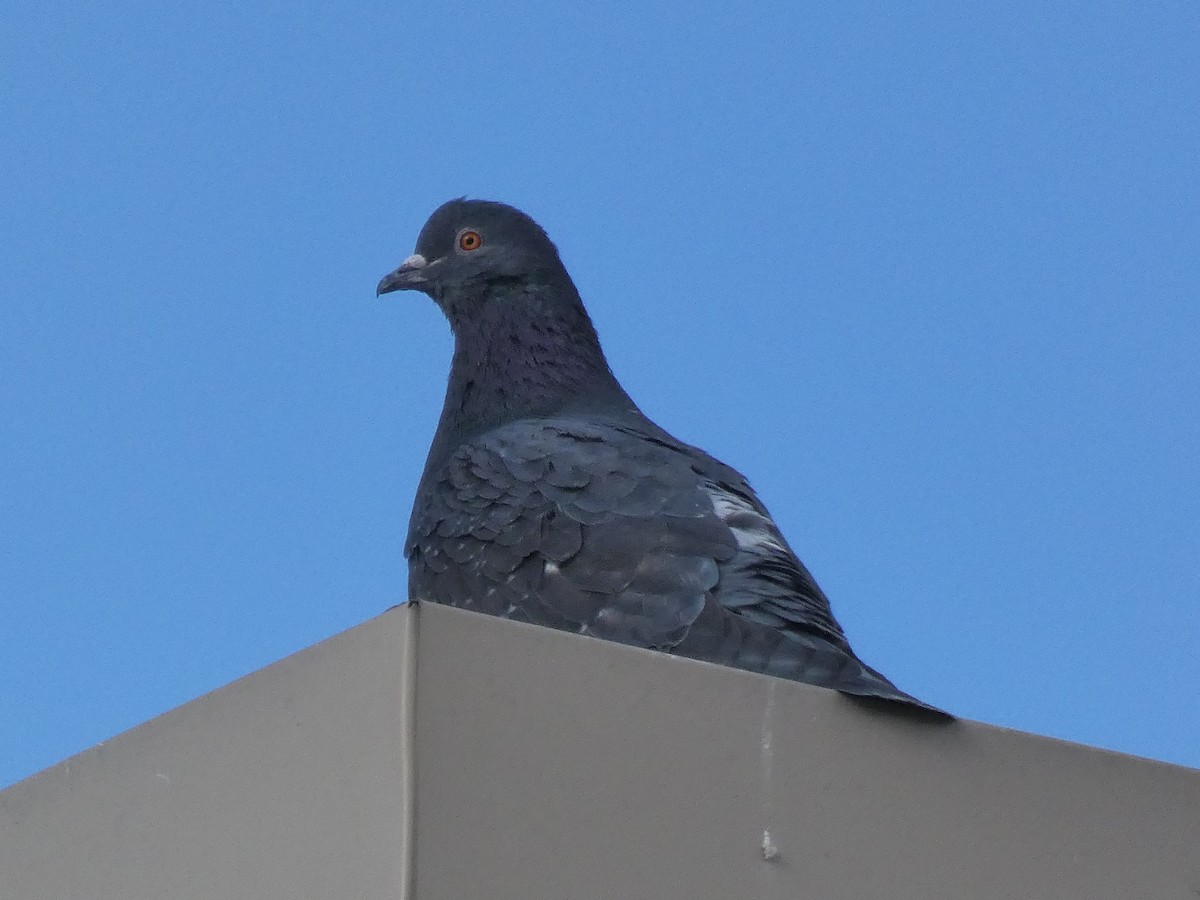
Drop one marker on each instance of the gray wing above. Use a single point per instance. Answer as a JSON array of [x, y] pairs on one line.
[[574, 526], [624, 534]]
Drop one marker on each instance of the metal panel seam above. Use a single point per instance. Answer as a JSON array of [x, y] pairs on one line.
[[408, 716]]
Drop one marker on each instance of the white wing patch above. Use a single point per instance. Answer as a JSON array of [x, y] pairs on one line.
[[754, 532]]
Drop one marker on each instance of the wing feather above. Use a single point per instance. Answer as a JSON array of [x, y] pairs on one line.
[[623, 533]]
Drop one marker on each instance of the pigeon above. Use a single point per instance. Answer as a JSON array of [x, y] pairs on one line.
[[548, 497]]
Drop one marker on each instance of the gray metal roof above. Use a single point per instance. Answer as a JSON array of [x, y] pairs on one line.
[[434, 753]]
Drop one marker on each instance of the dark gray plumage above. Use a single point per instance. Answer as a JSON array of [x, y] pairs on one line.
[[548, 496]]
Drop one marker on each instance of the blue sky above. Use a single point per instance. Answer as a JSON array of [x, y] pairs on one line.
[[929, 276]]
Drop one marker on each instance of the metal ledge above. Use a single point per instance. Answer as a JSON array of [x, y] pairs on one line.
[[434, 753]]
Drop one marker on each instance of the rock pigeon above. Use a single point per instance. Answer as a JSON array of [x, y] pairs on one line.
[[548, 497]]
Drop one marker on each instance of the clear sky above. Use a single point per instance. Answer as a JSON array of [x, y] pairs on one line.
[[929, 275]]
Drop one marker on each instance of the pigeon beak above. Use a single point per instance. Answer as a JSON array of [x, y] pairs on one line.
[[407, 277]]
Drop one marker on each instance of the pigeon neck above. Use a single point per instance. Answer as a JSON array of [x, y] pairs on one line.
[[523, 352]]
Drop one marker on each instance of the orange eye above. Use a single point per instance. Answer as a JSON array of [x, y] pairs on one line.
[[470, 240]]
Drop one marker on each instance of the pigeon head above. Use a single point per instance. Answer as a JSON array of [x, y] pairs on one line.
[[523, 344], [469, 247]]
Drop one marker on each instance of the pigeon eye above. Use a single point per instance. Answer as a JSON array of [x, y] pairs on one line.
[[470, 240]]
